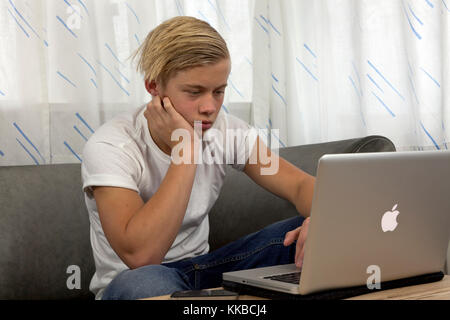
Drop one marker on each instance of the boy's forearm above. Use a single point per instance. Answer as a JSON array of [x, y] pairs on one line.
[[152, 230], [303, 201]]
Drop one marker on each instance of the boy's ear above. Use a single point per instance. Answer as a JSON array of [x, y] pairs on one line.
[[151, 87]]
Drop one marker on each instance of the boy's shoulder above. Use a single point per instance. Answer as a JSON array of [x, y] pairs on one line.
[[120, 129], [119, 135]]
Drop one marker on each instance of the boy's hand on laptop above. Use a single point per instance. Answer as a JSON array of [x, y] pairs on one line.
[[164, 119], [298, 234]]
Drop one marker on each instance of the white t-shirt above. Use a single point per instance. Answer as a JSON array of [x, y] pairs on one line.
[[122, 153]]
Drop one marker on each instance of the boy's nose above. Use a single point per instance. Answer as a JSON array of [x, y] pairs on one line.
[[208, 106]]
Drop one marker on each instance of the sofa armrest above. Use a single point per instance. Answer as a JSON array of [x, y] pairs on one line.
[[307, 157], [244, 207]]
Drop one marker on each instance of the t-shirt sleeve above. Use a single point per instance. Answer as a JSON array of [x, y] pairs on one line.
[[108, 165]]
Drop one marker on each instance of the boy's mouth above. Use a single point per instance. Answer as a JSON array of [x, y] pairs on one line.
[[205, 125]]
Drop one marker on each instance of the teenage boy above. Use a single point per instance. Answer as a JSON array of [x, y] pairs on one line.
[[148, 212]]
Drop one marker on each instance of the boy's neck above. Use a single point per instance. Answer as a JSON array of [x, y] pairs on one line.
[[159, 142]]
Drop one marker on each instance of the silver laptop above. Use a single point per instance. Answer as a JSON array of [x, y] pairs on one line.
[[375, 217]]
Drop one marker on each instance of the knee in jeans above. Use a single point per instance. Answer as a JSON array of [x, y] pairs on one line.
[[147, 281]]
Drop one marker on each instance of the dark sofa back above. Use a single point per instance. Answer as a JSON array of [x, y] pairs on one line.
[[44, 229]]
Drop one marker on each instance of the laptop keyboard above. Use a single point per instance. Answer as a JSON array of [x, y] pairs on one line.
[[293, 277]]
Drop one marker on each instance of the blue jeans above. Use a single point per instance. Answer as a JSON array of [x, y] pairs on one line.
[[260, 249]]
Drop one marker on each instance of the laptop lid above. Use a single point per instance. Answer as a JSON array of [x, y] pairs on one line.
[[377, 217]]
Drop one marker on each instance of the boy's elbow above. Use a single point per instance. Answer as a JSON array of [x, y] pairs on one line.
[[137, 260]]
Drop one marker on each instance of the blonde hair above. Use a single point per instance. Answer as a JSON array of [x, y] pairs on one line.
[[178, 44]]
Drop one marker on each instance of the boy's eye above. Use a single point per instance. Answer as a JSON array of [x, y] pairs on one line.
[[196, 93]]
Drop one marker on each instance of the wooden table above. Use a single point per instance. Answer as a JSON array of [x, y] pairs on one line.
[[439, 290]]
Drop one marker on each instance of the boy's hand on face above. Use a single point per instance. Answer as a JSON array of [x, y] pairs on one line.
[[298, 234], [164, 119]]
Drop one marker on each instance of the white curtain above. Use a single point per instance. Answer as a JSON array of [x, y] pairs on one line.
[[315, 70], [64, 68], [336, 69]]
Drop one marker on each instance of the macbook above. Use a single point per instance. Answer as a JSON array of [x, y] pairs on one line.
[[375, 217]]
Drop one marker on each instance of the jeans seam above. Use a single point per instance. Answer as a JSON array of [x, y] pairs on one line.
[[239, 257], [184, 275]]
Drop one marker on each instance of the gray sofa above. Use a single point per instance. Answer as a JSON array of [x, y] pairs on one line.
[[44, 225]]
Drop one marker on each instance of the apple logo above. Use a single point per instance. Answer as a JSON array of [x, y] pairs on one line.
[[389, 220]]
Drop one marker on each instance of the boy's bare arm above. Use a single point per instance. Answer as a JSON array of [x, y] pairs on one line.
[[288, 182], [142, 233]]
